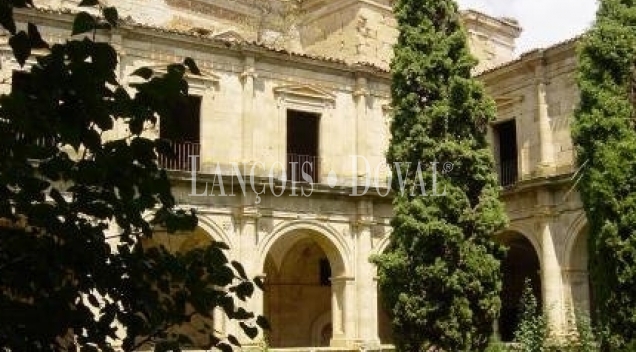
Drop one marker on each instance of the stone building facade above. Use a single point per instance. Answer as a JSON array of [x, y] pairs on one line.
[[321, 98]]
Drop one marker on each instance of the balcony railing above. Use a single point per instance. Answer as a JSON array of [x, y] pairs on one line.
[[181, 160], [508, 172], [297, 164]]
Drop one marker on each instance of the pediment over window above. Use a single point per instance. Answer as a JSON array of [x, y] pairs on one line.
[[305, 91]]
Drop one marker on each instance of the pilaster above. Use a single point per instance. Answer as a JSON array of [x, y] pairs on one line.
[[247, 219], [247, 123], [367, 291], [360, 96], [344, 313], [546, 161], [551, 279]]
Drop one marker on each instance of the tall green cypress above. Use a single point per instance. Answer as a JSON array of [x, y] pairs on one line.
[[605, 139], [440, 276]]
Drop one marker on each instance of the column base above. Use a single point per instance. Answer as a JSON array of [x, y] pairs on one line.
[[357, 344]]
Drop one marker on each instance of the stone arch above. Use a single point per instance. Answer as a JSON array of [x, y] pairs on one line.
[[300, 260], [215, 231], [522, 262], [383, 244], [576, 274], [199, 326], [527, 234], [577, 228], [327, 237]]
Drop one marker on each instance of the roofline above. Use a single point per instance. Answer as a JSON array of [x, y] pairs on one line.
[[65, 16], [529, 57]]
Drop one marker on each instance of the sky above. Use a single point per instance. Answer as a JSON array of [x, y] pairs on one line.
[[544, 22]]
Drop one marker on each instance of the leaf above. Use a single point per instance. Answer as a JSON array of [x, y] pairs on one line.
[[244, 290], [192, 66], [224, 347], [143, 72], [93, 300], [258, 281], [84, 22], [89, 3], [21, 46], [6, 17], [111, 15], [35, 38], [239, 268], [233, 340], [250, 331], [263, 323], [57, 197]]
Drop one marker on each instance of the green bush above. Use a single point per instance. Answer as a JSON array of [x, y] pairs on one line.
[[532, 332]]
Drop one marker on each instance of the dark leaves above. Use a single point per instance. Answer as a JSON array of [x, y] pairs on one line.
[[239, 268], [6, 17], [84, 22], [111, 15], [250, 331], [81, 272], [263, 323], [192, 66], [35, 39], [21, 46], [143, 72], [89, 3]]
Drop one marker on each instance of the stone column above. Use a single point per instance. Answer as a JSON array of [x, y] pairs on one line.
[[546, 162], [247, 218], [551, 280], [337, 310], [350, 312], [247, 122], [367, 291], [344, 312]]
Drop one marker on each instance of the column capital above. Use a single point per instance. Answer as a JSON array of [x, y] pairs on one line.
[[247, 213]]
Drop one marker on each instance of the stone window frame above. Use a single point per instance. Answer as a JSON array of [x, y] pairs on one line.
[[305, 98]]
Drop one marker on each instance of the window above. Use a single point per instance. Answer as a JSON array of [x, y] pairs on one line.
[[325, 272], [506, 152], [302, 146], [182, 128]]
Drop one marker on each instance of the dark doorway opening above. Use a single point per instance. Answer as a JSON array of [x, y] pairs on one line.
[[521, 263], [506, 153]]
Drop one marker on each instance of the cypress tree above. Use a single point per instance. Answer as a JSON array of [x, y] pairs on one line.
[[605, 139], [440, 276]]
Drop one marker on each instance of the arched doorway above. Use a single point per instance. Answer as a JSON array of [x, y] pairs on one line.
[[521, 263], [199, 328], [298, 289]]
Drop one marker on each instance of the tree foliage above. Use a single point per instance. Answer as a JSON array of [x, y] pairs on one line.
[[532, 332], [605, 138], [77, 199], [440, 276]]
